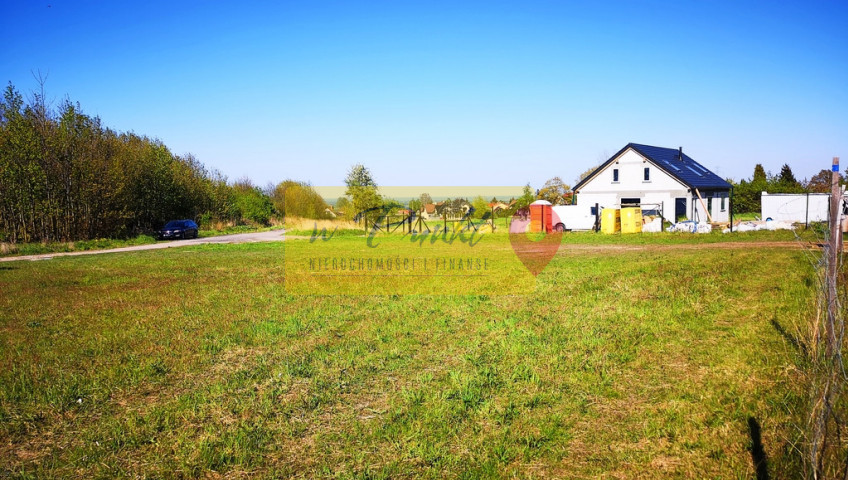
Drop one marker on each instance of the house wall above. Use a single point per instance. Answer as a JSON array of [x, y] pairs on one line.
[[661, 189]]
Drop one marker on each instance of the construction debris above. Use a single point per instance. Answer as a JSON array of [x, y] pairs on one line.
[[769, 224], [691, 227]]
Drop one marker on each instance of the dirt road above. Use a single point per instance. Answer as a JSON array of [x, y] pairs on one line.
[[270, 236]]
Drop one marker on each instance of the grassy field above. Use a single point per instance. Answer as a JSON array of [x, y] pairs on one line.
[[645, 356]]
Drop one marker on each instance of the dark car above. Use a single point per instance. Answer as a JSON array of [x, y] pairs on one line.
[[178, 229]]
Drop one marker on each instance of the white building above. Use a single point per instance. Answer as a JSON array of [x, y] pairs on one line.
[[657, 178]]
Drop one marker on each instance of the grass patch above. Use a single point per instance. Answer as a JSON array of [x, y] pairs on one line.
[[11, 249], [229, 230], [196, 361], [15, 249]]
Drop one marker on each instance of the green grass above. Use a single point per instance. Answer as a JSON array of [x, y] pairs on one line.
[[107, 243], [196, 361], [81, 245], [341, 232], [746, 216], [235, 229], [812, 234]]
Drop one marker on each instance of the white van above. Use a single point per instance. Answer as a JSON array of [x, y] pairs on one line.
[[573, 217]]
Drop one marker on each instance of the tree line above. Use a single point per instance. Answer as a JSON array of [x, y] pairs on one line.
[[64, 176]]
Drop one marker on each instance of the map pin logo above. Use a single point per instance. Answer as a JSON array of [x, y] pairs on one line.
[[533, 239]]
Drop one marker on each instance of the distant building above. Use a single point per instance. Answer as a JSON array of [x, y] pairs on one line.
[[498, 206], [643, 175], [428, 211]]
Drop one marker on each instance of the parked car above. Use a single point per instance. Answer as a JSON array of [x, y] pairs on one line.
[[178, 229]]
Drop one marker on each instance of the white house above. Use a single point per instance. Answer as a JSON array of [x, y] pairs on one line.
[[657, 178]]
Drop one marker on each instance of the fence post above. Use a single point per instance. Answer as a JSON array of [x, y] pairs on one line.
[[730, 206], [835, 244], [807, 213]]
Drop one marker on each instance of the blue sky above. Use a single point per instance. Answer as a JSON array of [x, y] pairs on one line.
[[447, 93]]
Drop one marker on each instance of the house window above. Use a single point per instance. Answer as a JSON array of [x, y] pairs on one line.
[[723, 204], [710, 204], [614, 174], [647, 174]]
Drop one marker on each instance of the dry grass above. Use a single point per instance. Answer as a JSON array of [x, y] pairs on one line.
[[296, 223]]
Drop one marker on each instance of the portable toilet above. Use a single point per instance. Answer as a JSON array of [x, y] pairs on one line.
[[631, 220], [541, 216], [610, 220]]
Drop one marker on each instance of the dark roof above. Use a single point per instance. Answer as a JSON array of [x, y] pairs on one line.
[[688, 171]]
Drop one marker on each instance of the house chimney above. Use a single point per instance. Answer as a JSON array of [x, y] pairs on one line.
[[680, 154]]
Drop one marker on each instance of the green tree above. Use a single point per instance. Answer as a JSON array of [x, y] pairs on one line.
[[554, 191], [64, 176], [359, 176], [747, 193], [362, 189], [523, 202], [785, 182], [298, 199], [527, 197], [481, 207], [252, 204], [344, 207], [759, 173]]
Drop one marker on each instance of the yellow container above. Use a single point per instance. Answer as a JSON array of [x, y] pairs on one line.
[[631, 220], [610, 220]]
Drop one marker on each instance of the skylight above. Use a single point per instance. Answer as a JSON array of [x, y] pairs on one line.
[[672, 165], [695, 171], [699, 167]]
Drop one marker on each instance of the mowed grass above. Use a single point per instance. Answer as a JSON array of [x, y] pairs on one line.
[[195, 362]]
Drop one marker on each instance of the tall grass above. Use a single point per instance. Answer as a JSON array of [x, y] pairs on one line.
[[818, 340]]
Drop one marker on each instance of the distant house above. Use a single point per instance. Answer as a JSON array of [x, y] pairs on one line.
[[498, 206], [657, 177], [455, 209], [428, 211]]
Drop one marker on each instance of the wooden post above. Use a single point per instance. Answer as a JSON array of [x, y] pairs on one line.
[[834, 250], [730, 206], [709, 217]]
